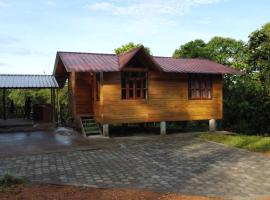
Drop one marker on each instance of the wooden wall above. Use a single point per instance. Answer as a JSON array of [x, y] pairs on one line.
[[80, 94], [167, 100], [98, 105]]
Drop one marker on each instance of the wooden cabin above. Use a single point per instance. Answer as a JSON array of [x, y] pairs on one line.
[[136, 87]]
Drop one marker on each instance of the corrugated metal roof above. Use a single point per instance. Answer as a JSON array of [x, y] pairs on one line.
[[95, 62], [124, 58], [195, 65], [81, 62], [27, 81]]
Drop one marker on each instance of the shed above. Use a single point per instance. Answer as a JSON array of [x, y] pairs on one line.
[[27, 81]]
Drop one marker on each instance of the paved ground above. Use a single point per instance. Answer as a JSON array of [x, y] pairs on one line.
[[175, 163], [39, 142]]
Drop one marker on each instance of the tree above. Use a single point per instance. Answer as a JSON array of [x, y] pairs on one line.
[[128, 47], [192, 49], [258, 51], [243, 102], [226, 51]]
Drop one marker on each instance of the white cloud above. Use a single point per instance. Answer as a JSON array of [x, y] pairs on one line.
[[149, 7]]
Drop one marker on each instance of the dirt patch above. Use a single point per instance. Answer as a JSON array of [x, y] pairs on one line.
[[267, 153], [47, 192]]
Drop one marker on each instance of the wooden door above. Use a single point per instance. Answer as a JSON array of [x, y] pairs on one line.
[[84, 94]]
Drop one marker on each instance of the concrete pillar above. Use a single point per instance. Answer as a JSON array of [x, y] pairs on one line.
[[163, 128], [212, 125], [106, 130]]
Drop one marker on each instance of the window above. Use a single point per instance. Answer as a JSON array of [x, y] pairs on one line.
[[97, 86], [200, 87], [134, 85]]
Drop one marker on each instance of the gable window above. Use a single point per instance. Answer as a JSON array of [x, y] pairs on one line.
[[134, 85], [97, 86], [200, 87]]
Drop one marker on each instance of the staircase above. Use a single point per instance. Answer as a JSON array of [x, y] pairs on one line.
[[89, 126]]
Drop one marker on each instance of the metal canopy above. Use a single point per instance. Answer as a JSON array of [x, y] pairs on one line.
[[23, 81]]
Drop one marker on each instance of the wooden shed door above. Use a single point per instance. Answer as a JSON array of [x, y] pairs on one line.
[[84, 94]]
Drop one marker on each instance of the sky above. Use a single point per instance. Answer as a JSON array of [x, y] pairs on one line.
[[32, 31]]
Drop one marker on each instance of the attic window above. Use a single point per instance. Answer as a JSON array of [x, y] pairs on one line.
[[200, 87], [134, 85]]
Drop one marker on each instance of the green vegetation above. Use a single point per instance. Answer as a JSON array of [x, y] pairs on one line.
[[252, 143], [38, 96], [8, 181], [246, 97], [128, 47]]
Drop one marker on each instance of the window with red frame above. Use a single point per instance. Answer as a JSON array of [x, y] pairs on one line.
[[200, 87], [134, 85]]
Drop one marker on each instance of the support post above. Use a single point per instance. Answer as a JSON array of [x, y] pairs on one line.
[[105, 130], [163, 128], [58, 108], [53, 105], [4, 104], [212, 125]]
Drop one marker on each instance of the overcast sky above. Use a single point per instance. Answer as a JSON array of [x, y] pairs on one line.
[[32, 31]]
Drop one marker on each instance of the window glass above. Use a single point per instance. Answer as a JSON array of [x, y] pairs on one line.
[[209, 95], [133, 85], [200, 87], [138, 84], [138, 93], [130, 93], [144, 93], [124, 94]]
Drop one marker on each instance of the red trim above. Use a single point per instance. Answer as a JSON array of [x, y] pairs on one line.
[[134, 88]]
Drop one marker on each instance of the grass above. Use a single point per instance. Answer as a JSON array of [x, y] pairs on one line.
[[251, 143], [8, 181]]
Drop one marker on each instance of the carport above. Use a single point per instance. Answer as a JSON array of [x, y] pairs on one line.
[[23, 81]]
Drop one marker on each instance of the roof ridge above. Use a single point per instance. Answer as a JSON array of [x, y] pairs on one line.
[[183, 58], [111, 54]]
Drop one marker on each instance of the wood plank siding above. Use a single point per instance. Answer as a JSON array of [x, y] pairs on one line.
[[167, 100], [81, 94]]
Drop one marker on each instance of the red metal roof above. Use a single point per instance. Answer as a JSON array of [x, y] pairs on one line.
[[95, 62], [194, 65], [82, 62]]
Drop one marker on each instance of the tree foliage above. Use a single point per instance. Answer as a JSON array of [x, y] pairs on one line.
[[226, 51], [192, 49], [246, 98], [258, 51], [128, 47]]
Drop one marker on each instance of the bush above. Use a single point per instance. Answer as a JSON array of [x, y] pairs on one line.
[[8, 180]]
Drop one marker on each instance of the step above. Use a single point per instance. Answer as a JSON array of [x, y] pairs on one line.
[[88, 121], [89, 124], [92, 133]]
